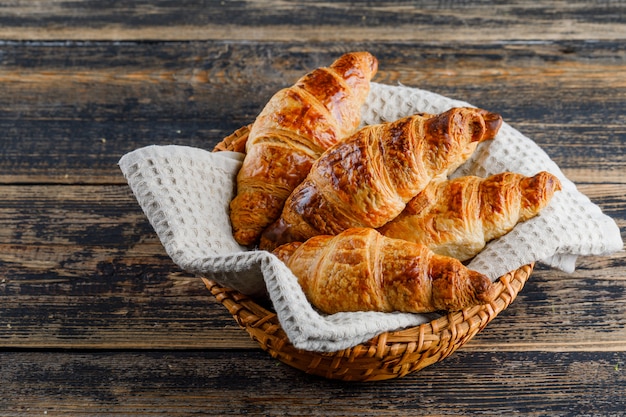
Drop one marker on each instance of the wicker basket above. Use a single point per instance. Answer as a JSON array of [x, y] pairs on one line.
[[388, 355]]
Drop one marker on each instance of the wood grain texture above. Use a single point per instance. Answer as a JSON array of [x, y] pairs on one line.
[[70, 114], [95, 318], [220, 383], [89, 259], [309, 21], [82, 268]]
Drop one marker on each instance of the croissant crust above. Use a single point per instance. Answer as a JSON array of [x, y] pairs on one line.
[[293, 129], [458, 217], [362, 270], [367, 179]]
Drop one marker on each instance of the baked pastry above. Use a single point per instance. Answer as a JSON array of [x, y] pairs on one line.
[[458, 217], [293, 129], [367, 179], [362, 270]]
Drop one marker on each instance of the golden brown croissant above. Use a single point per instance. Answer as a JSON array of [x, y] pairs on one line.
[[458, 217], [290, 133], [362, 270], [366, 180]]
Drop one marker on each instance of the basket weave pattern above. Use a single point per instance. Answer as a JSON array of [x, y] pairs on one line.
[[388, 355]]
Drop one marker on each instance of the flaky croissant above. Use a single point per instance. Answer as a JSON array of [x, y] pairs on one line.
[[458, 217], [366, 180], [362, 270], [290, 133]]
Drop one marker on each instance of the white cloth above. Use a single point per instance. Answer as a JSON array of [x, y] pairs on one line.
[[185, 193]]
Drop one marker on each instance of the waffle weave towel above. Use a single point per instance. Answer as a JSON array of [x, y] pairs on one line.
[[185, 193]]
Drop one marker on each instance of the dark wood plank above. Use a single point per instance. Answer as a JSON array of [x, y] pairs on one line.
[[108, 218], [312, 21], [70, 111], [242, 383], [155, 311], [82, 267], [158, 311], [555, 311]]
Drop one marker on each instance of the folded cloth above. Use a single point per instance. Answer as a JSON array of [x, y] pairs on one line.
[[570, 226], [185, 193]]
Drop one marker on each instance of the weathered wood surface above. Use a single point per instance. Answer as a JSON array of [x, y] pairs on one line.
[[96, 319], [224, 383], [71, 110], [310, 21]]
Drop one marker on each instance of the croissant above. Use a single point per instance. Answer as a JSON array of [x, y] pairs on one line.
[[293, 129], [458, 217], [362, 270], [367, 179]]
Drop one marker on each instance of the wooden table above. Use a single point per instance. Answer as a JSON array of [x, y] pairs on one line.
[[95, 319]]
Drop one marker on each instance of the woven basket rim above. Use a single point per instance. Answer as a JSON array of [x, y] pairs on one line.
[[388, 355]]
